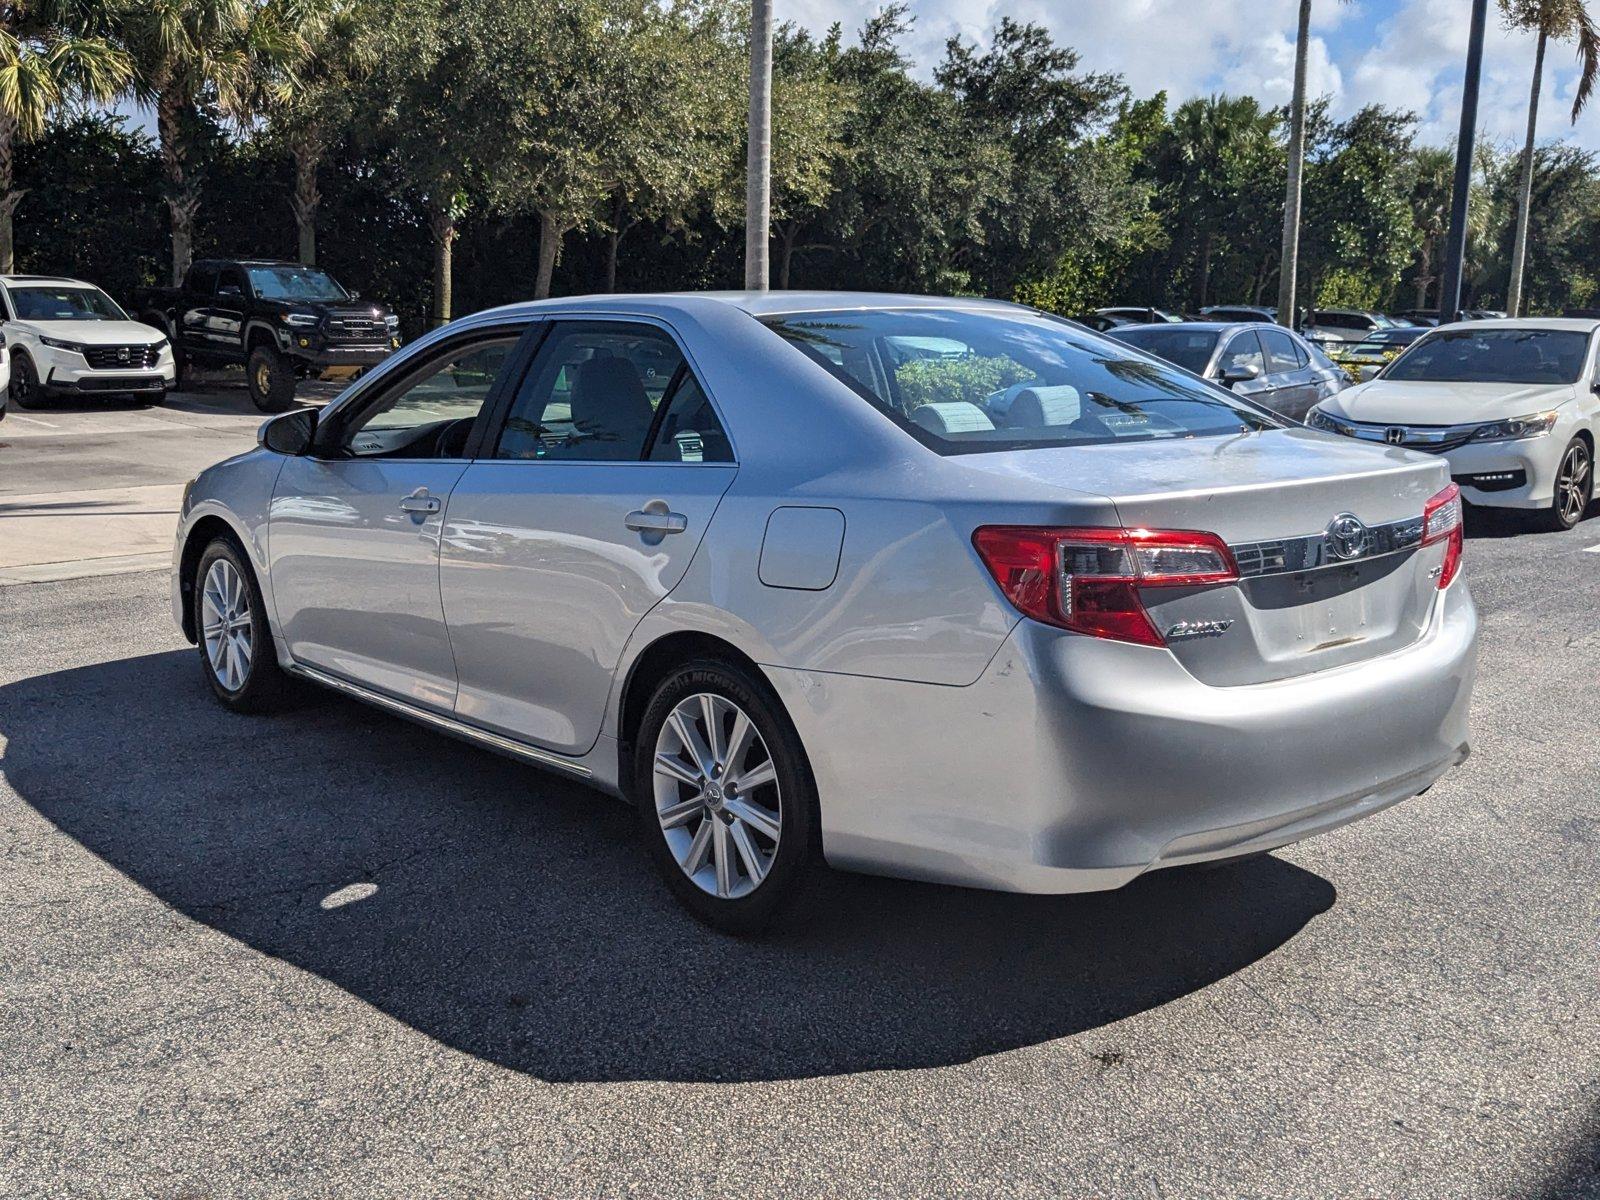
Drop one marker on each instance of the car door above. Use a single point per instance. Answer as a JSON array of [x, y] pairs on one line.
[[195, 298], [353, 533], [604, 475], [1289, 369], [224, 323]]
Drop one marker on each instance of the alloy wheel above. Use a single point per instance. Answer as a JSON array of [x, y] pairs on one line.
[[225, 624], [717, 795], [264, 380], [1572, 483]]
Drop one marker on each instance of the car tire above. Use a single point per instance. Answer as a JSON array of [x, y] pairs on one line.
[[24, 389], [738, 855], [1574, 488], [237, 656], [271, 380]]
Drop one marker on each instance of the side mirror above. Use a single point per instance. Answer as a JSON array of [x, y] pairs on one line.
[[1240, 373], [353, 294], [290, 433]]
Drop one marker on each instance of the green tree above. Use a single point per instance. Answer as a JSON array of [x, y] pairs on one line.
[[1561, 20], [188, 53], [50, 52], [307, 91], [1433, 176]]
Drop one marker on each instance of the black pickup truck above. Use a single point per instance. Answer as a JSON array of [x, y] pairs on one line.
[[284, 321]]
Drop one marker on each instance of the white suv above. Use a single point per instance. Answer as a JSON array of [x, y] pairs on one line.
[[67, 337]]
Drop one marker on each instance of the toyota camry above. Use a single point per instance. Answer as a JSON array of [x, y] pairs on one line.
[[945, 589]]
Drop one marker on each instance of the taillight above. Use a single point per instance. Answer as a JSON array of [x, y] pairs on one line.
[[1088, 580], [1441, 522]]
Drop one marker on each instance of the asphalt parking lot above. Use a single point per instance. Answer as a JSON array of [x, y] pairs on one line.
[[332, 954]]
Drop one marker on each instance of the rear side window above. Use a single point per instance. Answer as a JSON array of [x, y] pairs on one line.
[[963, 381], [1190, 348], [203, 278], [600, 390]]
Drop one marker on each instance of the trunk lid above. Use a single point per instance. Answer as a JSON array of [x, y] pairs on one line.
[[1273, 496]]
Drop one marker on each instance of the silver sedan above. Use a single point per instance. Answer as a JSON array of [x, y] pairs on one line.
[[946, 589]]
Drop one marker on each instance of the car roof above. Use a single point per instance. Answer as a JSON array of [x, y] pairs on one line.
[[1568, 324], [761, 304], [1216, 327], [26, 279]]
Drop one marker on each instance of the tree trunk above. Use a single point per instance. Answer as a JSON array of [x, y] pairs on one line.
[[10, 196], [1519, 246], [552, 231], [1205, 267], [788, 234], [443, 223], [758, 156], [307, 197], [182, 193], [1424, 271], [1297, 154]]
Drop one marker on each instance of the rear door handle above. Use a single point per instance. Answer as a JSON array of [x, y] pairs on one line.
[[420, 502], [656, 517]]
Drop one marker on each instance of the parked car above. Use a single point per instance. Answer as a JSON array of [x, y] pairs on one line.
[[762, 564], [1343, 325], [1236, 313], [1269, 365], [284, 321], [1362, 360], [5, 376], [65, 337], [1430, 316], [1140, 313], [1511, 405]]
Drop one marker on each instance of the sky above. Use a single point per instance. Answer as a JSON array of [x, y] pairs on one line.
[[1406, 54]]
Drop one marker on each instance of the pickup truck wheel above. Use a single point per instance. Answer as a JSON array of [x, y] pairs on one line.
[[25, 391], [271, 380]]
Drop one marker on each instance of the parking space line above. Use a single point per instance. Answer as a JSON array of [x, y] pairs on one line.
[[1595, 549], [33, 420]]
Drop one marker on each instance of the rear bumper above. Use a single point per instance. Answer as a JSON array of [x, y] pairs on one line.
[[1075, 764]]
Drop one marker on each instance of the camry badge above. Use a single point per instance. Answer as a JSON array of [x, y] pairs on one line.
[[1184, 630], [1346, 536]]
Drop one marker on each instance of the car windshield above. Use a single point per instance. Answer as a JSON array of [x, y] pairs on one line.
[[294, 283], [963, 381], [1189, 348], [1493, 356], [65, 304]]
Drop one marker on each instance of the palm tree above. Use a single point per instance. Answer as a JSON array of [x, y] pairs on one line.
[[50, 51], [1297, 157], [311, 55], [1561, 20], [758, 160], [1430, 212], [186, 51]]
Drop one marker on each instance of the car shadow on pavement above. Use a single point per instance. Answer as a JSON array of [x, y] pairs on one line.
[[515, 916]]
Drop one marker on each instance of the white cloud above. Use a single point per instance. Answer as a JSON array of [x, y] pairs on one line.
[[1406, 54]]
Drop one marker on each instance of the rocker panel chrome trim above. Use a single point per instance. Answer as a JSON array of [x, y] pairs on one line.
[[445, 724]]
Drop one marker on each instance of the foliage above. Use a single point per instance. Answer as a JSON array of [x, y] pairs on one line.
[[939, 380]]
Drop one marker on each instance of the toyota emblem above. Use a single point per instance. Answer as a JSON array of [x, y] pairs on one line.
[[1347, 536], [1395, 435]]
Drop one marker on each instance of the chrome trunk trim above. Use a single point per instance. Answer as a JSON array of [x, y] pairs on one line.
[[1286, 556], [445, 724]]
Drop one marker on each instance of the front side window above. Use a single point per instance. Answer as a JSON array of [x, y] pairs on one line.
[[1283, 354], [65, 304], [1243, 357], [1493, 356], [295, 283], [232, 284], [593, 392], [963, 381], [430, 414]]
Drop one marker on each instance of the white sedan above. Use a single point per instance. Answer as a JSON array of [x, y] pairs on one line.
[[1511, 404]]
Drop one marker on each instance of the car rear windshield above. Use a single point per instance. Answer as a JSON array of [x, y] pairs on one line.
[[1493, 356], [1189, 348], [65, 304], [294, 283], [964, 381]]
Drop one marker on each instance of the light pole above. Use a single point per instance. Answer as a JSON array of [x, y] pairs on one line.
[[758, 159], [1455, 246]]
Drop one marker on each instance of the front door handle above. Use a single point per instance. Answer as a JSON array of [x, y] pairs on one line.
[[420, 502], [656, 518]]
